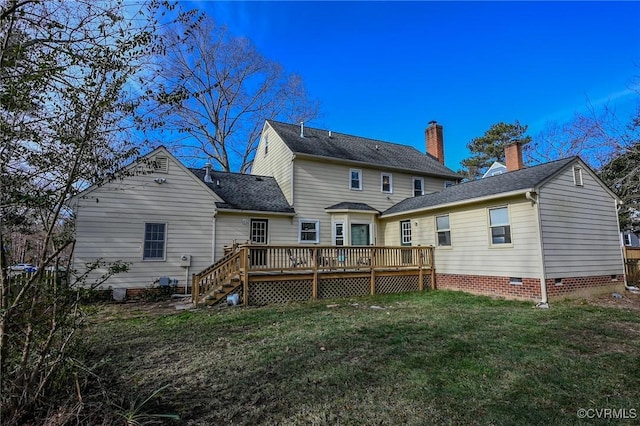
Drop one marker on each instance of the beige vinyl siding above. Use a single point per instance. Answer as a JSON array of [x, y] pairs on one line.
[[322, 184], [110, 224], [579, 228], [471, 252], [282, 230], [276, 163]]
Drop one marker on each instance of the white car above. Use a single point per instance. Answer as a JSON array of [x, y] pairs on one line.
[[23, 267]]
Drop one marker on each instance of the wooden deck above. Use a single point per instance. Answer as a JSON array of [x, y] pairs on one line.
[[277, 274]]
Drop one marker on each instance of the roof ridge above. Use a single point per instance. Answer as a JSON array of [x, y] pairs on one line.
[[351, 136]]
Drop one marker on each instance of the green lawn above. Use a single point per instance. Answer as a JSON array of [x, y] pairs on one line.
[[427, 358]]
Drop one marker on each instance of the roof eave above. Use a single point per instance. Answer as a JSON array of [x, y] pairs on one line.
[[351, 211], [257, 212], [461, 202], [304, 155]]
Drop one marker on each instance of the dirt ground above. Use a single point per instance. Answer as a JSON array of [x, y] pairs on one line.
[[628, 300], [132, 309]]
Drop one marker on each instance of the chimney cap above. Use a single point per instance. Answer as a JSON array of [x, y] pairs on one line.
[[433, 123]]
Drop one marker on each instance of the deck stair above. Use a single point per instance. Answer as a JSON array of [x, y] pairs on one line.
[[218, 281]]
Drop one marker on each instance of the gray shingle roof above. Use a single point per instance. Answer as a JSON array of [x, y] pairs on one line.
[[508, 182], [351, 206], [355, 148], [246, 192]]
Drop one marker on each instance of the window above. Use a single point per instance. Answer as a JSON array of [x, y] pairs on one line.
[[309, 231], [515, 280], [418, 186], [360, 234], [338, 233], [405, 233], [259, 230], [448, 183], [499, 224], [443, 230], [627, 239], [356, 179], [266, 144], [154, 241], [577, 176], [386, 182]]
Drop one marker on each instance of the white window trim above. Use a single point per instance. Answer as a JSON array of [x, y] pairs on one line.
[[578, 179], [489, 227], [382, 176], [266, 144], [435, 222], [164, 248], [413, 186], [261, 220], [359, 179], [402, 240], [317, 223], [626, 239], [334, 234]]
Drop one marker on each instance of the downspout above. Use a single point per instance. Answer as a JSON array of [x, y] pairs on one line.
[[544, 303]]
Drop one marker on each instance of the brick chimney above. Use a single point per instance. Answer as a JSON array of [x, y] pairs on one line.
[[513, 156], [435, 141]]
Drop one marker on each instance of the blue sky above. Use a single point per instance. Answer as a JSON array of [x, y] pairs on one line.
[[385, 69]]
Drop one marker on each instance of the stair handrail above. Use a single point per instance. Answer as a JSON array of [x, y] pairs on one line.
[[217, 274]]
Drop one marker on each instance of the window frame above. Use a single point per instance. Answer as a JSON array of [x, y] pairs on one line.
[[255, 221], [359, 171], [386, 175], [316, 222], [334, 236], [578, 178], [405, 231], [449, 183], [266, 144], [413, 185], [146, 258], [626, 239], [508, 235], [446, 231]]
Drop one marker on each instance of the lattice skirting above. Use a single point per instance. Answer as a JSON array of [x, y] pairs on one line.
[[333, 288], [265, 290], [397, 284]]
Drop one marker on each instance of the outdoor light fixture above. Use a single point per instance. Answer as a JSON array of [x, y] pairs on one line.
[[159, 181]]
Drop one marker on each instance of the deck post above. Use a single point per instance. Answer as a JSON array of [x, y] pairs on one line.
[[244, 273], [433, 268], [314, 285], [372, 264], [195, 290], [420, 269]]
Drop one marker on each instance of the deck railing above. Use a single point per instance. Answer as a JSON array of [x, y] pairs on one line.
[[313, 260], [292, 258]]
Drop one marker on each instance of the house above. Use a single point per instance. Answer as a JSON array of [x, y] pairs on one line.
[[519, 234], [496, 168], [542, 232], [630, 239], [308, 186], [166, 220], [339, 183]]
